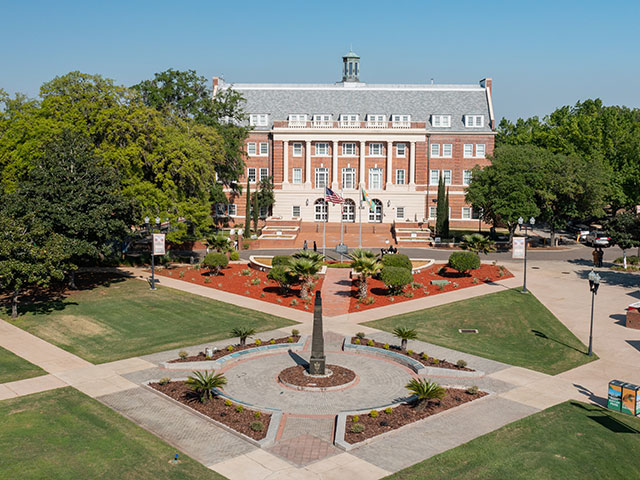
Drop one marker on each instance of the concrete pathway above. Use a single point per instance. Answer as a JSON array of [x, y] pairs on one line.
[[336, 292]]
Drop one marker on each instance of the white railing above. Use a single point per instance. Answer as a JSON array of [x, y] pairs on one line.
[[321, 124], [372, 124], [297, 124], [349, 124], [401, 124]]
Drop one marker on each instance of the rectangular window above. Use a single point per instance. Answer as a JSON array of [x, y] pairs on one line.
[[251, 149], [322, 149], [432, 212], [376, 149], [466, 177], [466, 213], [323, 120], [349, 149], [468, 150], [401, 149], [264, 174], [264, 149], [348, 178], [441, 121], [322, 177], [297, 149], [258, 119], [298, 118], [400, 175], [232, 210], [435, 177], [375, 118], [435, 149], [295, 211], [474, 121], [297, 175], [349, 121], [447, 150], [446, 174], [480, 150], [252, 175], [375, 178], [401, 118], [400, 212]]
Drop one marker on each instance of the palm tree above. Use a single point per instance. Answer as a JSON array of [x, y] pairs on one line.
[[219, 242], [204, 383], [243, 333], [305, 269], [362, 253], [366, 267], [309, 254], [425, 391], [478, 243], [405, 334]]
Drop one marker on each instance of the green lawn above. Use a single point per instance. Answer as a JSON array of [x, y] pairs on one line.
[[570, 440], [12, 367], [127, 319], [65, 434], [513, 328]]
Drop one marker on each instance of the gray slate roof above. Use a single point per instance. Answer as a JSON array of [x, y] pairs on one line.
[[419, 101]]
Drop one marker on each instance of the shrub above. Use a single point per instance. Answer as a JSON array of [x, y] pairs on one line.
[[262, 295], [397, 260], [256, 414], [227, 403], [386, 346], [357, 341], [258, 342], [435, 361], [472, 390], [370, 343], [487, 279], [368, 301], [424, 356], [475, 280], [239, 408], [455, 285], [290, 339], [257, 426], [282, 276], [357, 428], [203, 384], [207, 280], [164, 380], [255, 281], [440, 287], [391, 299], [279, 300], [215, 261], [464, 261], [395, 278], [388, 410], [245, 271], [416, 285], [182, 354], [295, 332], [234, 256], [294, 302], [373, 414], [181, 275], [461, 363], [272, 341], [230, 348], [280, 260], [425, 391], [246, 245], [408, 294], [410, 352], [243, 333], [355, 419], [360, 335]]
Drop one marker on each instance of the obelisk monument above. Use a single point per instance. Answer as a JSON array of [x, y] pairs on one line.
[[318, 360]]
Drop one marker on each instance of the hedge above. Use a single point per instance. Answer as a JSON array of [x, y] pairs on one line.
[[395, 278], [396, 260], [464, 261]]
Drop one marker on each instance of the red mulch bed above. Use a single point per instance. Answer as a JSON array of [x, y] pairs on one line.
[[232, 280], [405, 414], [201, 357], [216, 409], [377, 290], [296, 376], [429, 362]]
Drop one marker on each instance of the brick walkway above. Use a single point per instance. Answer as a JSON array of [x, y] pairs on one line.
[[305, 440], [336, 292]]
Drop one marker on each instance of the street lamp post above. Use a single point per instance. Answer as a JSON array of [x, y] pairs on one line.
[[531, 223], [153, 263], [594, 283]]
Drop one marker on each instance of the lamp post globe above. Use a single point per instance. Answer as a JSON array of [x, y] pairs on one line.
[[520, 220], [594, 283], [532, 221], [146, 220]]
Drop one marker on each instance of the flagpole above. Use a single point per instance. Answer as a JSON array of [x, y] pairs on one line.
[[341, 220], [360, 219], [324, 224]]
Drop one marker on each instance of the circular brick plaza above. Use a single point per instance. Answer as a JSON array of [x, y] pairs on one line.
[[255, 380]]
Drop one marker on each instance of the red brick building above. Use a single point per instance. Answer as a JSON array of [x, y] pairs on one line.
[[395, 141]]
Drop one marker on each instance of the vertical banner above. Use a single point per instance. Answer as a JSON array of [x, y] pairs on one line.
[[158, 244], [518, 247]]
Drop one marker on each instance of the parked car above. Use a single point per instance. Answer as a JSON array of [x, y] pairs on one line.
[[579, 229], [598, 239]]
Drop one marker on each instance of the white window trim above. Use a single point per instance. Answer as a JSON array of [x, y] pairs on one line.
[[381, 145], [258, 119], [315, 149], [443, 154], [404, 150], [355, 150], [400, 209], [293, 177], [293, 211], [484, 146], [442, 121], [325, 173], [255, 174], [462, 216], [261, 177], [297, 145], [404, 176], [444, 175], [439, 147], [473, 122], [252, 146], [464, 182], [433, 209], [235, 209], [266, 154], [431, 182], [352, 173], [378, 173], [464, 150]]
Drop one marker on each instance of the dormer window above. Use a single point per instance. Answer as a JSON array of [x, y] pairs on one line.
[[442, 121], [258, 119], [322, 120], [376, 120], [474, 121], [298, 120], [349, 120], [401, 121]]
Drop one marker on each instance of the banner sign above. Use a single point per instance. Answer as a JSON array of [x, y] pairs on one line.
[[518, 247], [158, 244]]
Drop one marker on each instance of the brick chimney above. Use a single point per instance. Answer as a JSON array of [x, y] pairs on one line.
[[216, 82], [486, 83]]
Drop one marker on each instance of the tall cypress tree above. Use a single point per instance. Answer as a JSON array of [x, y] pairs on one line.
[[445, 230], [441, 209], [247, 215], [256, 211]]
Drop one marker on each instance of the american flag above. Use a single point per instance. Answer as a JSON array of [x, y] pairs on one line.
[[332, 196]]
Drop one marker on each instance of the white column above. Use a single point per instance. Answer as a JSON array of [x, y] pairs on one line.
[[412, 165], [334, 165], [307, 164], [285, 163], [389, 164], [361, 166]]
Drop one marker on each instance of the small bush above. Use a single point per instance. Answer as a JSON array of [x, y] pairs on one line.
[[464, 261], [235, 256], [397, 260], [246, 245], [357, 341], [245, 272], [181, 275], [357, 428], [388, 410], [435, 361], [295, 332], [360, 335], [164, 380], [424, 356], [395, 278], [455, 285], [257, 426], [219, 285], [370, 343], [262, 295], [239, 408], [391, 299], [472, 390], [282, 276], [416, 285], [290, 339], [355, 419], [487, 279], [256, 414], [182, 354], [410, 352], [368, 301], [207, 280], [228, 403], [230, 348], [461, 363], [255, 281], [386, 346], [294, 302], [258, 342], [279, 300], [475, 281], [196, 267], [272, 341], [373, 414], [280, 260], [215, 261], [247, 292], [408, 294]]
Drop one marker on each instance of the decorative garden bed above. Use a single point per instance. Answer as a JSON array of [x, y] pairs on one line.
[[389, 419], [201, 357], [297, 377], [244, 281], [446, 280], [235, 416]]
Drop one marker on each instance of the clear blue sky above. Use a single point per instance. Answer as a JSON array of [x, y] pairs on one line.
[[541, 54]]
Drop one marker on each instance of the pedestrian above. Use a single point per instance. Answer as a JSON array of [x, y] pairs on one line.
[[235, 244], [315, 247], [600, 257], [304, 245], [595, 257]]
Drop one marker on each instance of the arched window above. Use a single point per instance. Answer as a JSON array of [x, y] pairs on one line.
[[376, 216], [349, 210], [320, 208]]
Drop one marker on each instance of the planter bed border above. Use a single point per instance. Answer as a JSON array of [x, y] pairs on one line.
[[222, 361], [341, 421], [274, 422], [418, 367]]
